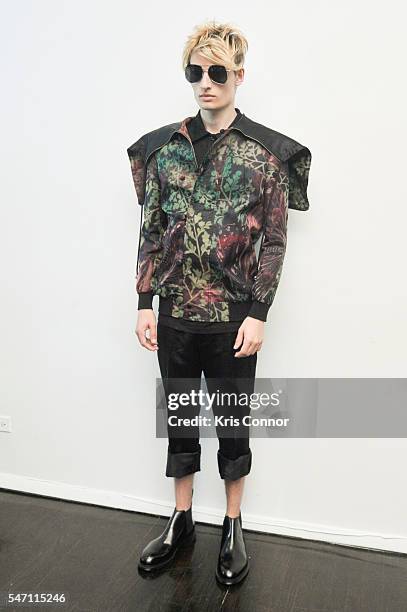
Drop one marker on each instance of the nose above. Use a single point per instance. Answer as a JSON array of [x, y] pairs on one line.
[[205, 81]]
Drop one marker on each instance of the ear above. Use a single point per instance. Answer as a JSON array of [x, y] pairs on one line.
[[240, 76]]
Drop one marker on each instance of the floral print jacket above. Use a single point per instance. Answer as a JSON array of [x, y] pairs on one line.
[[201, 223]]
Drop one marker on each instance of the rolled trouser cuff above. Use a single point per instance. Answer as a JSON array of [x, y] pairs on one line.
[[232, 469], [181, 464]]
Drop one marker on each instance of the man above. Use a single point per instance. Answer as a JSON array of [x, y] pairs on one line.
[[209, 185]]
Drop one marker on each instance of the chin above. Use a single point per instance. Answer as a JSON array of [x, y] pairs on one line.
[[207, 103]]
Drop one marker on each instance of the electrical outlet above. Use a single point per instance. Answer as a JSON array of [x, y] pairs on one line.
[[5, 424]]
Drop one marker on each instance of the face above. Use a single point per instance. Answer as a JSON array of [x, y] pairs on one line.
[[221, 95]]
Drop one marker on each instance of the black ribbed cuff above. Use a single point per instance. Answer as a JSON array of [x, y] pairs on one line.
[[259, 310], [145, 300]]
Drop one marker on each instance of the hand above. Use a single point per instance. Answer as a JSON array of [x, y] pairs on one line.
[[146, 321], [251, 333]]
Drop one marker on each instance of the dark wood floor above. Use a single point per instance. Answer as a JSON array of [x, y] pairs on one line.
[[91, 553]]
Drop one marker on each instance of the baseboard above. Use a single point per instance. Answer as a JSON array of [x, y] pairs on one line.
[[263, 524]]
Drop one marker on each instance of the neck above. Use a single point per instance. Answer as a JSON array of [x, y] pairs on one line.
[[218, 119]]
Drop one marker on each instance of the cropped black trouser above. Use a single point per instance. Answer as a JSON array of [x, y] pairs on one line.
[[183, 356]]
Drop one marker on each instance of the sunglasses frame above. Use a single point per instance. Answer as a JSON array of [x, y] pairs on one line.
[[207, 70]]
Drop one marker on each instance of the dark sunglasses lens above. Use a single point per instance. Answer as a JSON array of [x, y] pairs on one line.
[[218, 74], [193, 73]]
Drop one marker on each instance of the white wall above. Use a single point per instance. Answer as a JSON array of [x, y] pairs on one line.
[[81, 82]]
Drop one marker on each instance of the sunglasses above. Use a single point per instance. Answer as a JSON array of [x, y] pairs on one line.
[[217, 74]]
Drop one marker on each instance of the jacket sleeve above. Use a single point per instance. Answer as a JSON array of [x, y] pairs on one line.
[[274, 239], [147, 183]]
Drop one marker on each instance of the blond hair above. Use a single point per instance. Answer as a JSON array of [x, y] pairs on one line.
[[220, 43]]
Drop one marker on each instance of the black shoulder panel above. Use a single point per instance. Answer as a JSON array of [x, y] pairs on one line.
[[139, 153], [288, 150], [155, 139], [278, 144]]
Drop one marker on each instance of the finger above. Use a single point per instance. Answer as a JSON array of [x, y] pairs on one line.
[[239, 338], [144, 341], [252, 348], [149, 346], [244, 351], [153, 334]]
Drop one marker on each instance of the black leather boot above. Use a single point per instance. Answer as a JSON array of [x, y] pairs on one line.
[[179, 532], [233, 562]]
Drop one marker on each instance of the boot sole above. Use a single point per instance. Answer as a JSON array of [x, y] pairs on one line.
[[189, 539], [235, 580]]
